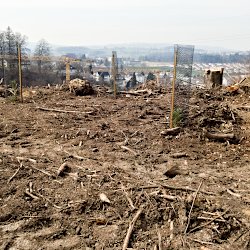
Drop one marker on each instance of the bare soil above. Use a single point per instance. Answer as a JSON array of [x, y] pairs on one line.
[[115, 147]]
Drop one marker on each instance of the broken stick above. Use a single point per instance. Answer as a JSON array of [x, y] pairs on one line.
[[220, 136], [10, 179], [189, 215], [64, 111], [129, 149], [130, 229]]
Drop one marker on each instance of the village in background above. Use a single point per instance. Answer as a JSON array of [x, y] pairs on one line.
[[44, 64]]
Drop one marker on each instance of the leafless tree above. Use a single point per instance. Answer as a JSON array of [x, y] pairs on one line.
[[43, 53]]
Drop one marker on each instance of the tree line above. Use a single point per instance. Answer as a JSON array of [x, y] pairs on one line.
[[200, 57], [35, 72]]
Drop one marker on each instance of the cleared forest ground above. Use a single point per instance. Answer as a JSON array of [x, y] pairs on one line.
[[115, 147]]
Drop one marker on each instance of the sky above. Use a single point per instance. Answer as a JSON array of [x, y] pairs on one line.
[[217, 23]]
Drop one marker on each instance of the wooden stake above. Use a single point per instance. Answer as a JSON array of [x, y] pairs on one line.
[[173, 89], [20, 71], [67, 70], [114, 73]]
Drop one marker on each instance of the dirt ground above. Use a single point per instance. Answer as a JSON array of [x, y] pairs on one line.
[[117, 172]]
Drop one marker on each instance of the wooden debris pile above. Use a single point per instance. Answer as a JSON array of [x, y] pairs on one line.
[[81, 87], [150, 85], [215, 118]]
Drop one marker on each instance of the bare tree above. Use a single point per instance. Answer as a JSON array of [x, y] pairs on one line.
[[43, 52]]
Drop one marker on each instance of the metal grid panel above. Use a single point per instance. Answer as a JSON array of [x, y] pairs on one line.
[[181, 88]]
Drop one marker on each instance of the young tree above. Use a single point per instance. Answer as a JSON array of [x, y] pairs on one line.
[[2, 53], [151, 76], [9, 42], [133, 81], [42, 50]]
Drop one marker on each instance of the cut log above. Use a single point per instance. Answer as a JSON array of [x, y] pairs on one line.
[[220, 136], [171, 131]]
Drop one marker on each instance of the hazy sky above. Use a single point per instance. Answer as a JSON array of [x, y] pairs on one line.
[[222, 23]]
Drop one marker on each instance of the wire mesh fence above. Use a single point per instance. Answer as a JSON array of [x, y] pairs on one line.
[[181, 85]]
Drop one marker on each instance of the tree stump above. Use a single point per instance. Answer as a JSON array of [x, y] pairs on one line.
[[214, 77]]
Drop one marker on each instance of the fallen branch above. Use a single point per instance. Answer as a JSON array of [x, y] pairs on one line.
[[10, 179], [220, 136], [201, 242], [49, 201], [129, 149], [137, 92], [76, 156], [42, 171], [19, 158], [208, 218], [164, 195], [129, 199], [159, 240], [64, 111], [179, 155], [62, 168], [233, 193], [190, 211], [31, 195], [130, 229], [209, 222], [186, 189], [171, 230], [171, 131]]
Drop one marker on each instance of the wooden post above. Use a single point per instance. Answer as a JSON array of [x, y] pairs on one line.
[[67, 71], [114, 73], [20, 71], [173, 89]]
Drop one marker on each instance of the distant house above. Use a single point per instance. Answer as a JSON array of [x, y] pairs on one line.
[[73, 71], [105, 76]]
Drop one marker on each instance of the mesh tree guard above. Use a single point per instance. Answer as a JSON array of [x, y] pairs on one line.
[[181, 85]]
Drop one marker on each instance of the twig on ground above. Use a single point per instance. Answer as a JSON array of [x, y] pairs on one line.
[[171, 230], [164, 195], [76, 156], [186, 189], [129, 149], [19, 158], [233, 193], [209, 222], [207, 218], [128, 198], [42, 171], [245, 232], [31, 195], [62, 168], [202, 242], [64, 111], [126, 139], [159, 239], [190, 211], [10, 179], [49, 201], [130, 229]]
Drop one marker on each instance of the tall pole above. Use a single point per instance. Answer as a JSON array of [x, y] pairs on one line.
[[114, 73], [20, 71], [67, 71], [173, 89]]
